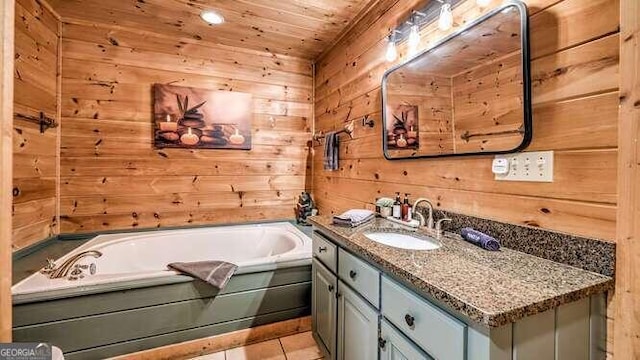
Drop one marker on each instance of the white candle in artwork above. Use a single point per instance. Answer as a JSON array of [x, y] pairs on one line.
[[412, 133], [169, 125], [236, 139], [189, 138]]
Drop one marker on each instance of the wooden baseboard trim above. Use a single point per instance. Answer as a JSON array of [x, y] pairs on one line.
[[213, 344]]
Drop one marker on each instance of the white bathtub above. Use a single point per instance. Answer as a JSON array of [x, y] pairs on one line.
[[131, 258]]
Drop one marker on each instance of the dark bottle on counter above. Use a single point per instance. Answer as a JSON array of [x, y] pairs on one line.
[[397, 207], [406, 209]]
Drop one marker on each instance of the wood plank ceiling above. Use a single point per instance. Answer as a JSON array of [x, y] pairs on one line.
[[301, 28]]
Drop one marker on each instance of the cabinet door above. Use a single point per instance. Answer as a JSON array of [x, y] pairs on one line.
[[323, 305], [357, 326], [395, 346]]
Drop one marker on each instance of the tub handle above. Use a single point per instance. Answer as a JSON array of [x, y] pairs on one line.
[[49, 267], [322, 249]]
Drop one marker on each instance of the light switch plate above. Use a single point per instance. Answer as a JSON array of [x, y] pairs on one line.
[[528, 166]]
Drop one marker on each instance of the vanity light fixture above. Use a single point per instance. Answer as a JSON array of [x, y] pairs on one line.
[[392, 53], [436, 12], [445, 21], [212, 17]]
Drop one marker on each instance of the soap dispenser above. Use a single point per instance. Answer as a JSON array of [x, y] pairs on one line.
[[406, 208], [397, 207]]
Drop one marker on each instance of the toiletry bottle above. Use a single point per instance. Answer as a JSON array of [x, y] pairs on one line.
[[397, 211], [406, 209]]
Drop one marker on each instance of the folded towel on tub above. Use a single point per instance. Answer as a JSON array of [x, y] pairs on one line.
[[331, 151], [216, 273]]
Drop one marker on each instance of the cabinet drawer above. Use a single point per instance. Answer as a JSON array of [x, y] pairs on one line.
[[441, 335], [325, 251], [361, 276]]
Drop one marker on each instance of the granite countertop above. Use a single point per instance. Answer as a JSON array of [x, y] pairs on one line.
[[490, 288]]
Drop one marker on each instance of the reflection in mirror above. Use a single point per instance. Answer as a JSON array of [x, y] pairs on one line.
[[467, 95]]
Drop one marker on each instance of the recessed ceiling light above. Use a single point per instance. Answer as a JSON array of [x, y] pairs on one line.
[[212, 17]]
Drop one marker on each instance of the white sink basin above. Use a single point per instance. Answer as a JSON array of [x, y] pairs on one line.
[[404, 241]]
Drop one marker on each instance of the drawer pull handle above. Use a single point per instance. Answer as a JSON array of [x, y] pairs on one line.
[[322, 249], [352, 274], [330, 288], [382, 343], [410, 320]]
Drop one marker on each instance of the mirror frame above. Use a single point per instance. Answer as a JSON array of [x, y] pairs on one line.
[[526, 84]]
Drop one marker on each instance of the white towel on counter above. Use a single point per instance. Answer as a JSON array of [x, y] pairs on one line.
[[354, 217]]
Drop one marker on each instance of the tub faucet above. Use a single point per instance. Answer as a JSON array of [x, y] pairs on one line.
[[429, 221], [63, 270]]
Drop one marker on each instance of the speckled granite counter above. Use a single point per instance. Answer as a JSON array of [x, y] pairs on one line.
[[490, 288]]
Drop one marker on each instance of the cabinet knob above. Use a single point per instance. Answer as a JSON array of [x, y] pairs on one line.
[[352, 274], [330, 288], [382, 343], [322, 249], [410, 320], [338, 295]]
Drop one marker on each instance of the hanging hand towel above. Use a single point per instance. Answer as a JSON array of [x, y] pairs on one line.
[[331, 151]]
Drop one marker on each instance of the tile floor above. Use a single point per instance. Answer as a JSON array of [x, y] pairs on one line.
[[295, 347]]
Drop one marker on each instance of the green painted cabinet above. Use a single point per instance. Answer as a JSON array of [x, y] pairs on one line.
[[379, 317], [357, 326], [395, 346], [323, 306]]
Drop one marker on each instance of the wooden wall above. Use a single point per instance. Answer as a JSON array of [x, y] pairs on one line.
[[574, 64], [7, 12], [627, 304], [487, 103], [112, 178], [35, 155]]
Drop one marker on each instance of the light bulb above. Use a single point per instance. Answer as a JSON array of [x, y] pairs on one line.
[[483, 3], [392, 53], [446, 17], [414, 39], [212, 17]]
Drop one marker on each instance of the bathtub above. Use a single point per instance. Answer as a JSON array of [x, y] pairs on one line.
[[101, 315], [131, 257]]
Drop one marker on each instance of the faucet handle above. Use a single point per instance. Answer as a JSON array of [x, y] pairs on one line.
[[439, 224], [49, 267]]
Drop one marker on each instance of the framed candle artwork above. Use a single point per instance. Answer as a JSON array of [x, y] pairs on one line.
[[187, 117], [402, 132]]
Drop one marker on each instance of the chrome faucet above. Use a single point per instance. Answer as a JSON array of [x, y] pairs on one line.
[[439, 231], [63, 270], [429, 221]]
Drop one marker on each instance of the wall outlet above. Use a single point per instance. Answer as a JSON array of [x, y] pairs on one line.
[[526, 166]]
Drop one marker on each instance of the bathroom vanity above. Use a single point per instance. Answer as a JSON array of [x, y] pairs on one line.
[[455, 302]]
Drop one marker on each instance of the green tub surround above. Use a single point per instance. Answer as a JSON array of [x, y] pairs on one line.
[[118, 321]]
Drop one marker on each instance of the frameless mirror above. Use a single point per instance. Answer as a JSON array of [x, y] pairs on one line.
[[469, 94]]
